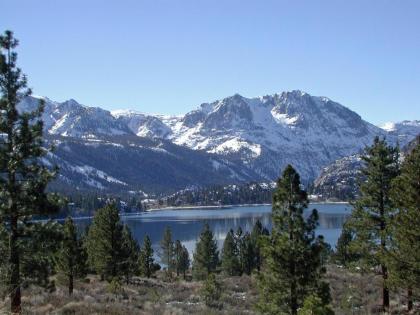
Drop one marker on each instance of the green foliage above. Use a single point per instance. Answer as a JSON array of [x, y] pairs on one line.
[[104, 243], [374, 210], [292, 266], [246, 254], [24, 178], [252, 193], [211, 291], [404, 255], [71, 257], [230, 261], [344, 253], [130, 254], [167, 251], [257, 232], [115, 286], [182, 259], [146, 261], [206, 255], [314, 305]]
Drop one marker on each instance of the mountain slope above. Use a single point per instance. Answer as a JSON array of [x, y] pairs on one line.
[[267, 133], [340, 179], [229, 141], [131, 164]]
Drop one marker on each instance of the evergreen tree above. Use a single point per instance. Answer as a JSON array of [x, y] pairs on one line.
[[178, 256], [230, 261], [23, 178], [344, 254], [211, 291], [314, 305], [182, 259], [374, 210], [247, 256], [185, 261], [257, 232], [146, 260], [71, 258], [404, 255], [292, 265], [130, 254], [167, 251], [206, 255], [104, 243]]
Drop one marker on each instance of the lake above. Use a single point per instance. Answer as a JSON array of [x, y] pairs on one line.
[[186, 224]]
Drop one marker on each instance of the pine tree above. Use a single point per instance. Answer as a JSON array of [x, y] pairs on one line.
[[185, 261], [404, 255], [182, 259], [211, 291], [313, 305], [292, 265], [247, 256], [206, 255], [230, 260], [344, 254], [130, 254], [257, 232], [71, 258], [23, 178], [167, 251], [178, 256], [146, 260], [374, 210], [104, 243]]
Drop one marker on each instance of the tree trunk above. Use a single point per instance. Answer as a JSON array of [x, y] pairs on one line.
[[15, 294], [71, 280], [385, 290], [409, 299], [293, 300]]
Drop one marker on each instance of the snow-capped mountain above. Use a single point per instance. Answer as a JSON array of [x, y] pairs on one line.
[[404, 131], [267, 133], [71, 119], [242, 139]]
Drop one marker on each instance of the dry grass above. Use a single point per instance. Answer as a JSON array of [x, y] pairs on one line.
[[352, 294]]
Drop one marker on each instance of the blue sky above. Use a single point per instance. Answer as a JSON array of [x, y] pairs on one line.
[[170, 56]]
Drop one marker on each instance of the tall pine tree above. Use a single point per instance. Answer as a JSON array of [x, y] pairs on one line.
[[146, 260], [344, 253], [404, 256], [167, 251], [71, 258], [23, 178], [182, 259], [230, 260], [206, 255], [257, 232], [292, 265], [104, 243], [130, 254], [374, 210]]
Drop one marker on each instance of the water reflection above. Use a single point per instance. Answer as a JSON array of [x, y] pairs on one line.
[[187, 224]]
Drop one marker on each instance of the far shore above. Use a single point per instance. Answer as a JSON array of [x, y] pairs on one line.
[[192, 207], [128, 214]]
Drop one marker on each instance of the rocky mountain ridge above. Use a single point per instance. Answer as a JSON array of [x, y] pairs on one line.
[[240, 139]]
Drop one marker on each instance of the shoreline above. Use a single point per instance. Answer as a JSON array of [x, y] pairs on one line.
[[129, 214], [231, 206], [208, 207]]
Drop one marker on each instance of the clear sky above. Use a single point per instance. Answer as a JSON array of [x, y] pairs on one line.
[[170, 56]]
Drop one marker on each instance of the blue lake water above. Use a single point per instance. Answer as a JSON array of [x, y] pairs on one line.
[[186, 224]]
